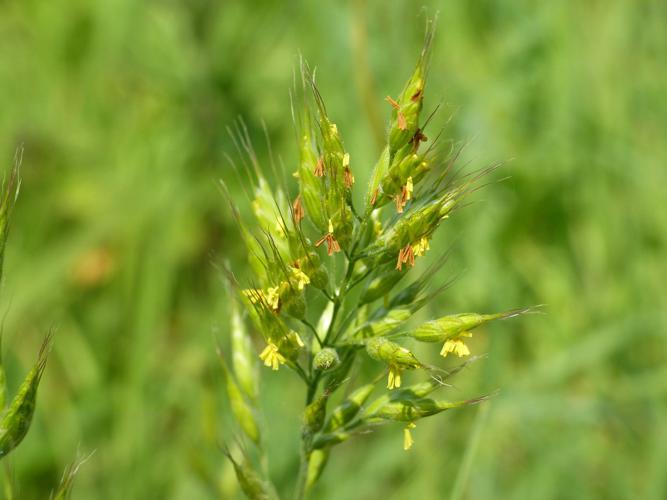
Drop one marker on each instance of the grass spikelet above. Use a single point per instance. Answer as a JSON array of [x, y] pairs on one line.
[[16, 421]]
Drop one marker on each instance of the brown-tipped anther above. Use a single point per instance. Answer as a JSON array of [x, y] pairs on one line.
[[375, 196], [418, 138], [298, 212], [319, 168], [348, 177], [332, 245], [403, 198], [393, 103], [417, 95], [402, 124], [400, 203], [405, 256]]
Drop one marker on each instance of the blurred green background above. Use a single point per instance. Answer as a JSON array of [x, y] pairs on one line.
[[123, 106]]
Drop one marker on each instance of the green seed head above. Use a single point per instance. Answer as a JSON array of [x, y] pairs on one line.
[[326, 359], [313, 416]]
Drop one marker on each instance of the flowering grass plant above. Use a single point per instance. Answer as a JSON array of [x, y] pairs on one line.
[[329, 284]]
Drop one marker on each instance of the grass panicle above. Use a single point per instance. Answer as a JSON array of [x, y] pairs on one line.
[[325, 295]]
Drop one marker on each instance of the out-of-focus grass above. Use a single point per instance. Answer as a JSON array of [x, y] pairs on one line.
[[122, 107]]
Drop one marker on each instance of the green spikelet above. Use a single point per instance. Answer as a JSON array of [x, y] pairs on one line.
[[439, 330], [318, 460], [16, 421], [409, 410], [311, 187], [244, 359], [348, 409], [406, 109], [242, 411], [252, 484], [382, 283], [313, 416]]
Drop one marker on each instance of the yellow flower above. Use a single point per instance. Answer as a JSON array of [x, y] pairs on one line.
[[394, 379], [405, 195], [407, 436], [456, 345], [420, 247], [332, 244], [406, 255], [300, 277], [272, 357], [273, 298]]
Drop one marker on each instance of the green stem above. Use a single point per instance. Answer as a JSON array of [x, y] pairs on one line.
[[300, 491], [7, 480], [313, 330], [312, 388]]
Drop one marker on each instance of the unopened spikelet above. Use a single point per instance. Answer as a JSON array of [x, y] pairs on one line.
[[410, 410], [16, 421], [384, 325], [387, 319], [382, 283], [324, 441], [252, 484], [318, 460], [335, 162], [349, 408], [311, 188], [244, 359], [269, 210]]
